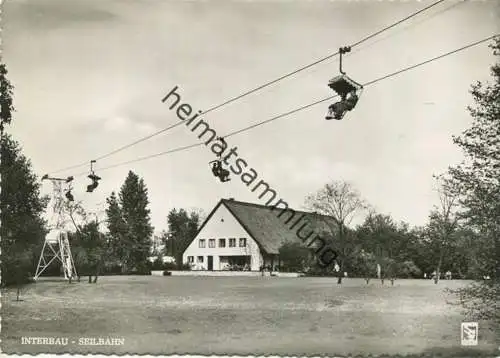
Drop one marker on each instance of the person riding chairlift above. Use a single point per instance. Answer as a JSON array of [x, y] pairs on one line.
[[220, 172], [216, 167], [346, 104]]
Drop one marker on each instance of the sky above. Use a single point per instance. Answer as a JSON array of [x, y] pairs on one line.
[[89, 77]]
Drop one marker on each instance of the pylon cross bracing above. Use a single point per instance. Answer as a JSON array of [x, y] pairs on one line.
[[56, 246]]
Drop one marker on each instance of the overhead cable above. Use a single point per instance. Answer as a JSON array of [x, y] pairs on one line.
[[253, 90], [286, 114]]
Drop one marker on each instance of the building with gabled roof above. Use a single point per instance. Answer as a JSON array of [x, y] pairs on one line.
[[245, 236]]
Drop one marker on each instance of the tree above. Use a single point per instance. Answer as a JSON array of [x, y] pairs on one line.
[[419, 249], [117, 229], [23, 228], [156, 243], [443, 225], [465, 258], [394, 246], [89, 246], [340, 201], [182, 229], [6, 102], [162, 240], [129, 224], [365, 264], [294, 257], [408, 269], [477, 182], [134, 206], [381, 236]]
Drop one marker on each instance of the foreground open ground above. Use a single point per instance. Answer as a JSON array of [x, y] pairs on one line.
[[240, 315]]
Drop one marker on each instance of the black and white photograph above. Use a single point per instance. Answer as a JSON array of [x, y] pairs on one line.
[[296, 178]]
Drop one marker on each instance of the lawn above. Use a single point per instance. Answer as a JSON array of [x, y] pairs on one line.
[[240, 315]]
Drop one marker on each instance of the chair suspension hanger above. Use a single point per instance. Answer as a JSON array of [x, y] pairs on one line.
[[95, 179], [56, 181], [348, 90]]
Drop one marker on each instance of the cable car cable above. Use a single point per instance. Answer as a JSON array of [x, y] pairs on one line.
[[396, 23], [364, 85], [258, 88], [300, 108], [146, 157], [440, 12], [319, 60]]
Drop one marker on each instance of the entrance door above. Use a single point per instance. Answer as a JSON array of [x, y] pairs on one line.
[[210, 263]]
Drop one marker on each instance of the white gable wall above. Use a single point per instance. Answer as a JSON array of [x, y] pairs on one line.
[[223, 225]]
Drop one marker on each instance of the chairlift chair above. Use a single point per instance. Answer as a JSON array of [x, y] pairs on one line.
[[69, 195], [218, 171], [214, 168], [344, 86], [95, 179], [95, 182]]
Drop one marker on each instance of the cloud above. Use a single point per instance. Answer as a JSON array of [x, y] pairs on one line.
[[124, 124], [49, 15], [115, 124]]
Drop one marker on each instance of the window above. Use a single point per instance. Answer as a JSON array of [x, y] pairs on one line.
[[201, 243], [222, 242], [190, 259], [200, 259], [243, 242], [211, 243], [232, 242]]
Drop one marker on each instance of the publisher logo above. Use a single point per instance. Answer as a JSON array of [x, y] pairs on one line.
[[469, 333]]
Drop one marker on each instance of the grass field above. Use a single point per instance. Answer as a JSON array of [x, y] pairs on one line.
[[241, 315]]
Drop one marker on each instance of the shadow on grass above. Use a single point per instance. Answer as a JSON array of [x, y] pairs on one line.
[[53, 279], [333, 303]]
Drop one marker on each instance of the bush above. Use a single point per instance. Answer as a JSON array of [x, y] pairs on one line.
[[139, 272], [185, 267], [316, 271], [294, 256], [169, 266], [157, 264], [167, 273], [408, 269], [113, 269], [141, 269]]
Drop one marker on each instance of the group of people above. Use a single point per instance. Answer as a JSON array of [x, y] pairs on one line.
[[433, 275]]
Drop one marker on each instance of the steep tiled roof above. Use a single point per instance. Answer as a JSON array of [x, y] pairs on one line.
[[271, 231]]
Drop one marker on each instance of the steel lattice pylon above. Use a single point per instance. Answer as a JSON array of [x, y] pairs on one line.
[[56, 245]]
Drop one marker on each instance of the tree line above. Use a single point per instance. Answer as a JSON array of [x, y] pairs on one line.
[[123, 243], [382, 247]]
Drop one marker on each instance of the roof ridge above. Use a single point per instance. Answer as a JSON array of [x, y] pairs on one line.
[[262, 206]]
